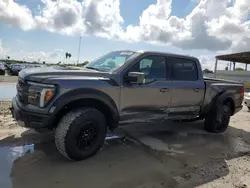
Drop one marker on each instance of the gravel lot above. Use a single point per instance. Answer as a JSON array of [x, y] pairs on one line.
[[151, 155]]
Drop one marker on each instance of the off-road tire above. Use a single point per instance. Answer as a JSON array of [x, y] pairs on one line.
[[218, 119], [71, 125]]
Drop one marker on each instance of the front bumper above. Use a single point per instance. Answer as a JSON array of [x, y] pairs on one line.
[[247, 101], [29, 119]]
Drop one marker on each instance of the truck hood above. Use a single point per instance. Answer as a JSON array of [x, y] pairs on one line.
[[40, 74]]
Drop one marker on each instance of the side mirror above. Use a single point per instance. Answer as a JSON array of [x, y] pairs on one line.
[[135, 78]]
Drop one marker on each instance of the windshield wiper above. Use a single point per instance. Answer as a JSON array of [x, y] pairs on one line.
[[93, 68]]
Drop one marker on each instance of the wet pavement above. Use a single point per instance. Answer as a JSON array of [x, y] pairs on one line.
[[7, 157], [139, 156], [142, 155], [118, 164]]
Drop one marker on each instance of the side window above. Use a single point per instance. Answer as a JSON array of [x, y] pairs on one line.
[[183, 69], [153, 66]]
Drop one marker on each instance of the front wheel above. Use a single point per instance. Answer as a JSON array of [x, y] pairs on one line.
[[81, 133], [218, 119]]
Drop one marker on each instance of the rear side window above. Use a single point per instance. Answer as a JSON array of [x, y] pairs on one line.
[[183, 69]]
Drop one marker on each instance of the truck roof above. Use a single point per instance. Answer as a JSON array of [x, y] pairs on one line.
[[167, 54]]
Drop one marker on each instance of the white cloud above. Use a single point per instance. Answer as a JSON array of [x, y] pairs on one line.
[[212, 25], [241, 9], [207, 62], [14, 14], [59, 17], [95, 17], [195, 31], [102, 17], [53, 56]]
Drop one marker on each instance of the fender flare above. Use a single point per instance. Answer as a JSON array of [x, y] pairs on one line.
[[85, 93], [220, 98]]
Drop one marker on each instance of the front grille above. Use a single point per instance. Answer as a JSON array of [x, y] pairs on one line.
[[22, 88]]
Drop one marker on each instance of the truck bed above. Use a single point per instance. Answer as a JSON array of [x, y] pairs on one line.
[[215, 80]]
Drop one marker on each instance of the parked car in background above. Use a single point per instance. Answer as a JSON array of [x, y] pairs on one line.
[[33, 65], [2, 69], [29, 66], [15, 69], [2, 66], [247, 100]]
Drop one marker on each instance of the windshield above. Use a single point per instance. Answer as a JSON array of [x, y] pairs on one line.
[[111, 61]]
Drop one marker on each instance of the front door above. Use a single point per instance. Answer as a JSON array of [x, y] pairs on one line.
[[149, 101]]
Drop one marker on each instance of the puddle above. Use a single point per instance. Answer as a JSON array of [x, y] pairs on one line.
[[7, 91], [7, 156], [203, 145]]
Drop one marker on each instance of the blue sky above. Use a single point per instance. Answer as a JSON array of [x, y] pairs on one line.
[[182, 32]]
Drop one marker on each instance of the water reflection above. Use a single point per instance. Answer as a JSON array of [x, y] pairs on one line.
[[7, 156]]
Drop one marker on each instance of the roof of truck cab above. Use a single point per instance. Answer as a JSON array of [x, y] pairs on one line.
[[168, 54]]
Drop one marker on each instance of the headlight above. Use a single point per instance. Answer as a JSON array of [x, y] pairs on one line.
[[40, 94]]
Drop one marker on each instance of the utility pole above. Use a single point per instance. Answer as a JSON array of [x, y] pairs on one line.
[[79, 49]]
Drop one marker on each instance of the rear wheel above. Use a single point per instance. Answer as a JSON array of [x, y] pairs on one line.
[[81, 133], [218, 119]]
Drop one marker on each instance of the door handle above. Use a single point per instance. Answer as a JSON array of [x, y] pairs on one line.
[[196, 90], [164, 90]]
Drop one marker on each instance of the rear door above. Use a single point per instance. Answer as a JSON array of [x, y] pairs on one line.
[[188, 87]]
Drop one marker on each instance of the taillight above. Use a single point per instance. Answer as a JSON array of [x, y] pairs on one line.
[[242, 93]]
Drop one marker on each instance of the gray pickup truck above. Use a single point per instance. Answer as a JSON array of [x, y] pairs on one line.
[[119, 87]]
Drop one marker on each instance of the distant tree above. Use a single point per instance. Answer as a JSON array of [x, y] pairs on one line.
[[207, 71], [239, 69], [8, 57], [69, 56], [66, 55]]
